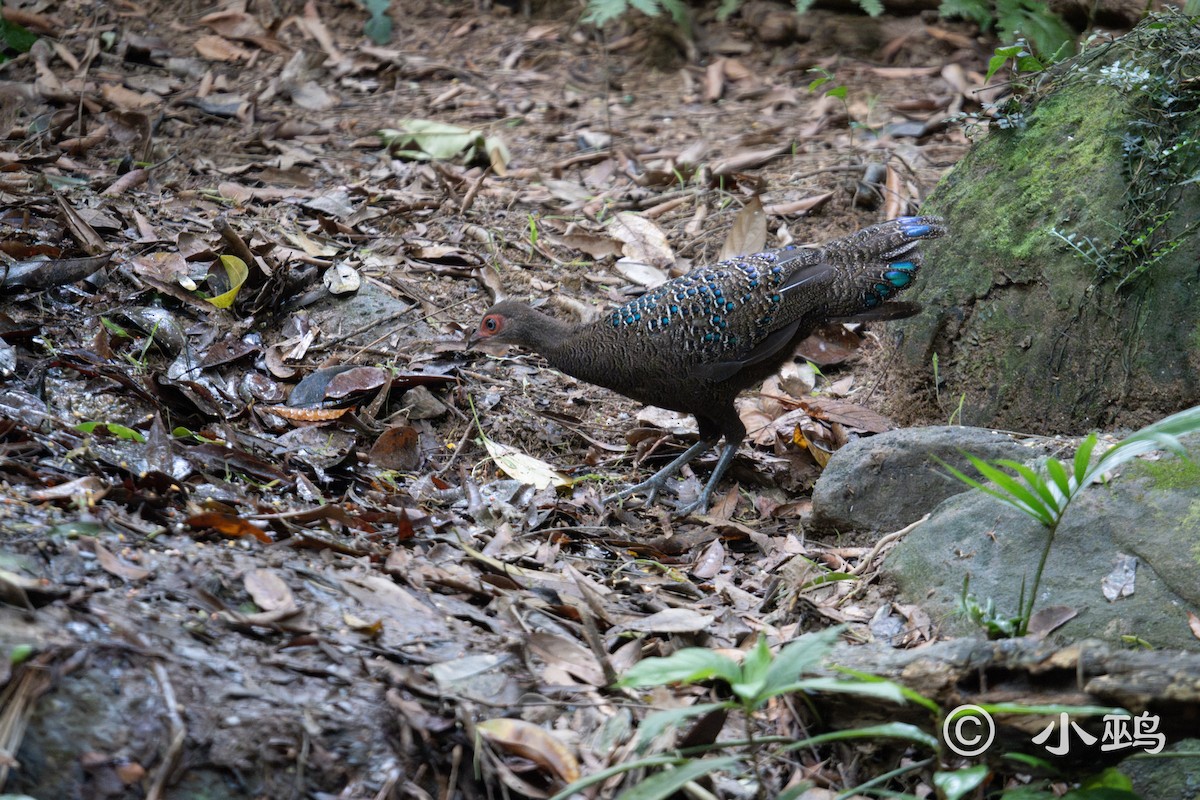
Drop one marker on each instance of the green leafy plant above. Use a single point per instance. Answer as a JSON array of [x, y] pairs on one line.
[[601, 12], [1009, 112], [823, 79], [1141, 250], [1045, 495], [1160, 154], [762, 676], [533, 233], [986, 617], [14, 39], [1031, 19], [873, 7], [937, 381], [838, 91], [1023, 61], [1160, 151], [956, 414], [111, 429], [379, 27]]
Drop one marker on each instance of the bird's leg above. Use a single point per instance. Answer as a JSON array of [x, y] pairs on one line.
[[656, 481], [701, 502]]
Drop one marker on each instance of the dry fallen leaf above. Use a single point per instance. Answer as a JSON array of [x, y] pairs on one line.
[[568, 655], [748, 234], [671, 620], [714, 81], [532, 742], [114, 565], [524, 467], [643, 240], [88, 489], [268, 590], [216, 48]]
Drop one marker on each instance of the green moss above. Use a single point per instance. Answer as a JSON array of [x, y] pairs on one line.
[[1033, 333], [1191, 520], [1170, 473], [1032, 174]]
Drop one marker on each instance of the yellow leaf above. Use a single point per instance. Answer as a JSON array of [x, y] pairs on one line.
[[524, 467], [532, 742], [236, 269]]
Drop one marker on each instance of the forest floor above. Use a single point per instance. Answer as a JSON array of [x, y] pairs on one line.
[[228, 590]]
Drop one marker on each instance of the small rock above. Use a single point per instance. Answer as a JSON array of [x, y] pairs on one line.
[[421, 404]]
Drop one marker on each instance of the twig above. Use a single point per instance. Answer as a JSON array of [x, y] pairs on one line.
[[458, 449], [469, 197], [178, 733]]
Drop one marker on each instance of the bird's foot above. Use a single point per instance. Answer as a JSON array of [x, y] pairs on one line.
[[652, 484], [656, 482], [700, 504]]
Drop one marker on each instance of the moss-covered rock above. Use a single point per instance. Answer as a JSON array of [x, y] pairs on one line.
[[1068, 296]]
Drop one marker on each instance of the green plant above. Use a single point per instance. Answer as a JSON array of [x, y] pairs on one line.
[[985, 616], [824, 77], [873, 7], [1160, 149], [761, 677], [838, 91], [533, 234], [14, 39], [140, 362], [601, 12], [937, 391], [1128, 249], [111, 429], [1008, 113], [1032, 19], [379, 27], [1023, 61], [1045, 496], [957, 412]]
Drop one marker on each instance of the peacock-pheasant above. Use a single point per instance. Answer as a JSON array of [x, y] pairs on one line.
[[694, 343]]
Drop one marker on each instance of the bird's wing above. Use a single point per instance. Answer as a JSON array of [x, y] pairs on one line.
[[783, 337], [811, 268], [768, 347]]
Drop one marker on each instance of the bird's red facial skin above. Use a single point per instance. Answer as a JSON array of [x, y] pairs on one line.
[[490, 326]]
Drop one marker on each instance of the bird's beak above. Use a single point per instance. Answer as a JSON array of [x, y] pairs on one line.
[[472, 340]]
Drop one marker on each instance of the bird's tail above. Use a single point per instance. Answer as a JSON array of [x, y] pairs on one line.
[[876, 263]]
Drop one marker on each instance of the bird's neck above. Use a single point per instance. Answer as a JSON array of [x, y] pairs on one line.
[[552, 338]]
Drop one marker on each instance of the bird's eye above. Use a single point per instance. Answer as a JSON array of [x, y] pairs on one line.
[[490, 324]]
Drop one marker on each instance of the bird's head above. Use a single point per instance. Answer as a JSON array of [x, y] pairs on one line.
[[504, 323]]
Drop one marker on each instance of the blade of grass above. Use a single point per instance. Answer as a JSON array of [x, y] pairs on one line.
[[1035, 481], [1083, 457], [1058, 474], [1014, 492]]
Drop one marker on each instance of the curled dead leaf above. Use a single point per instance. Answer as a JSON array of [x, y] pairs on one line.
[[532, 742], [114, 565], [268, 590]]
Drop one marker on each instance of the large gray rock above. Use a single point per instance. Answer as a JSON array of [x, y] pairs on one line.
[[884, 482], [1151, 512]]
